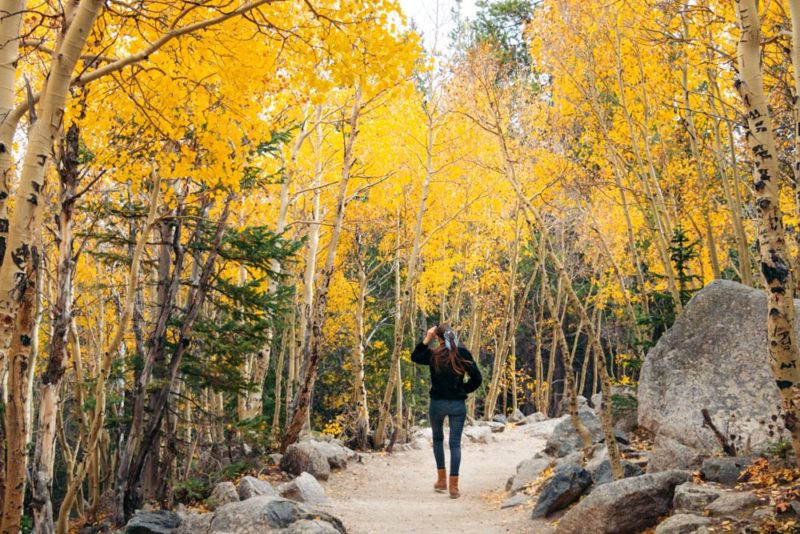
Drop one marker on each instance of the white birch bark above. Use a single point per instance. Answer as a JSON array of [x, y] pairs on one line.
[[773, 252]]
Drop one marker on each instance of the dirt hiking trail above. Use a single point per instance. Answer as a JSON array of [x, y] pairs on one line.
[[393, 493]]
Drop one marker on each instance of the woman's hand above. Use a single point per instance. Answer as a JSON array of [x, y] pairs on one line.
[[429, 335]]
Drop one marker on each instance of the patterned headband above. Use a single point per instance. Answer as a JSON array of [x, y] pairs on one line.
[[450, 340]]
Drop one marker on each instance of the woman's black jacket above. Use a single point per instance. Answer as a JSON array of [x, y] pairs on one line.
[[445, 383]]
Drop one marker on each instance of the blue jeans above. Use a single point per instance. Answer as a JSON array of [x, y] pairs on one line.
[[456, 410]]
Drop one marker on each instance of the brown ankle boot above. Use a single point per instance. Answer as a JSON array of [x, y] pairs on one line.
[[454, 493], [441, 483]]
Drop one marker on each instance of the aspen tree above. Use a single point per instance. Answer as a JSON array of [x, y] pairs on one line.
[[773, 252], [794, 12]]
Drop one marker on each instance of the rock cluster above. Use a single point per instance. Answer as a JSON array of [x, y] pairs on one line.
[[255, 506]]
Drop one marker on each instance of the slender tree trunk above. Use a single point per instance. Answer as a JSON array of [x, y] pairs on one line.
[[276, 416], [44, 454], [729, 180], [775, 263], [291, 373], [475, 344], [359, 384], [313, 348], [403, 303], [794, 11], [16, 445], [538, 346]]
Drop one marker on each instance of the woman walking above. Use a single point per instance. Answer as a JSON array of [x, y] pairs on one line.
[[449, 365]]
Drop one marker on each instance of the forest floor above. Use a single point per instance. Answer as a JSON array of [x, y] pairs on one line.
[[393, 493]]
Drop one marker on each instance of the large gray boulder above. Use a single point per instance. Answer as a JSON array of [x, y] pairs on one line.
[[624, 506], [268, 514], [565, 439], [304, 457], [700, 363]]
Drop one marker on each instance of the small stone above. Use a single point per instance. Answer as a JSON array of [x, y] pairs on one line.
[[517, 417], [682, 524], [500, 418], [516, 500], [527, 472], [537, 417], [304, 457], [691, 497], [253, 487], [311, 526], [419, 444], [479, 434], [497, 427], [732, 502], [275, 458], [603, 475], [304, 488], [223, 493], [564, 439], [159, 522], [335, 454], [762, 514], [621, 436], [795, 506], [194, 523], [573, 458], [600, 455], [624, 506], [724, 470], [266, 514]]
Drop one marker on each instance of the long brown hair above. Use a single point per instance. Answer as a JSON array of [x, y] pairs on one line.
[[447, 351]]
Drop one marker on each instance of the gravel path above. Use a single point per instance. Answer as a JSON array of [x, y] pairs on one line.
[[393, 493]]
